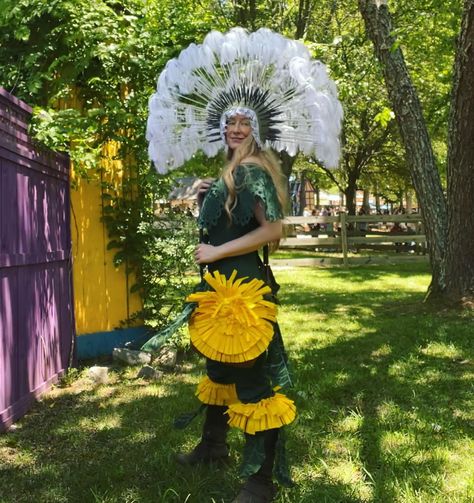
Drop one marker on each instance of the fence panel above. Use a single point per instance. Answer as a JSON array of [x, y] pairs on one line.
[[36, 309], [343, 233]]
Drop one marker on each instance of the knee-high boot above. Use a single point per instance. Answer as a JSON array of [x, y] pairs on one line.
[[259, 488], [213, 446]]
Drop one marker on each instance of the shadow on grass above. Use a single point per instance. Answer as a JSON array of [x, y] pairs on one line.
[[400, 382], [382, 397], [108, 444]]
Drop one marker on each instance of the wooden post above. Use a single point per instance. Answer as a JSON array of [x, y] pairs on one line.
[[343, 237]]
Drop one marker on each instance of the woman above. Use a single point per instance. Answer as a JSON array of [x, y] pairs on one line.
[[244, 91], [241, 212]]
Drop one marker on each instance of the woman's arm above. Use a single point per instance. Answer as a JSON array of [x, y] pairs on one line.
[[253, 240]]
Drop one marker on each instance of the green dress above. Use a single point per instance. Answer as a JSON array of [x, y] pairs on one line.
[[253, 186], [254, 385]]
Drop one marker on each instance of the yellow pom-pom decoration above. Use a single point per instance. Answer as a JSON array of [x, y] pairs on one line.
[[269, 413], [232, 322], [213, 393]]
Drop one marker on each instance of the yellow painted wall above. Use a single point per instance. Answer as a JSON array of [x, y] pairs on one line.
[[102, 297], [101, 292]]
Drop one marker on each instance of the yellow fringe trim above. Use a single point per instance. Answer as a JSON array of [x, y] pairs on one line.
[[269, 413], [232, 324], [213, 393]]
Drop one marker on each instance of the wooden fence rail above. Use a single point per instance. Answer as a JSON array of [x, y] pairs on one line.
[[344, 233]]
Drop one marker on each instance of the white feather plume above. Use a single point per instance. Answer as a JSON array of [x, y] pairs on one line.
[[309, 110]]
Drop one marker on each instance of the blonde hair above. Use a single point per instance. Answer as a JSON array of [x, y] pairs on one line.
[[267, 161]]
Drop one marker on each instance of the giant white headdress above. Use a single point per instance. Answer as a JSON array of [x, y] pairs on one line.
[[291, 101]]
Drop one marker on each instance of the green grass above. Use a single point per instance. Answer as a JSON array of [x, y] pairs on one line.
[[293, 253], [384, 389]]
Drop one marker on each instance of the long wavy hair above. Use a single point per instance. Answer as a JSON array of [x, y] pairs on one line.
[[267, 161]]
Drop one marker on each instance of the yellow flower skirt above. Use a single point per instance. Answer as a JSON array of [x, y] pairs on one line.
[[233, 322], [213, 393], [269, 413]]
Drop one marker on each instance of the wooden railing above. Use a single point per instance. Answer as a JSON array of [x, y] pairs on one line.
[[345, 233]]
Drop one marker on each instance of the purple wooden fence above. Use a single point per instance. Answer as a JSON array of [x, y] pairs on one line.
[[36, 308]]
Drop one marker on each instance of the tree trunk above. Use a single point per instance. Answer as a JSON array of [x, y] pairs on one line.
[[304, 10], [287, 162], [460, 191], [409, 199], [302, 194], [350, 193], [419, 152], [245, 13], [377, 203], [366, 202]]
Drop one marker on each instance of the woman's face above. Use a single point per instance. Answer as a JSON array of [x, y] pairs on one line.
[[237, 129]]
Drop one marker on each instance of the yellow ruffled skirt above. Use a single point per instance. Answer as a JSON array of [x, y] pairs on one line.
[[213, 393], [273, 412], [269, 413]]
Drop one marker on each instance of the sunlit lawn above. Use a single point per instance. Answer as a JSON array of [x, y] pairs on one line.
[[384, 388]]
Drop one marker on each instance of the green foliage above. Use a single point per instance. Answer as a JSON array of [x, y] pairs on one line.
[[155, 244], [89, 69], [369, 140], [427, 31], [167, 251]]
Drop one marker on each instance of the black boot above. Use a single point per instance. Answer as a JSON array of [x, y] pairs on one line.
[[213, 446], [259, 488]]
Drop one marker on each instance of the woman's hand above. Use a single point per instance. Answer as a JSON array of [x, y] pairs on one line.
[[203, 187], [206, 254]]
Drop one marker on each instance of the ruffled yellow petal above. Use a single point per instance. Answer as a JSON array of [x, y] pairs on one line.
[[213, 393], [232, 323], [269, 413]]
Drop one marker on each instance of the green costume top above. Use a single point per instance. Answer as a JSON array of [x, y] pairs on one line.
[[253, 185]]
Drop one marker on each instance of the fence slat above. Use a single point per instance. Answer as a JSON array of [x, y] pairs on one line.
[[309, 241], [344, 237], [399, 238]]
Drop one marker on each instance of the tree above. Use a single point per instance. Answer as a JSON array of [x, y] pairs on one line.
[[449, 228], [368, 132], [460, 173], [413, 131]]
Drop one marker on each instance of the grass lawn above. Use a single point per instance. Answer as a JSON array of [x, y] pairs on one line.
[[291, 253], [384, 389]]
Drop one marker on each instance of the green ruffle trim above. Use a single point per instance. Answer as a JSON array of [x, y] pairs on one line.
[[252, 183], [281, 469], [184, 420], [254, 456]]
